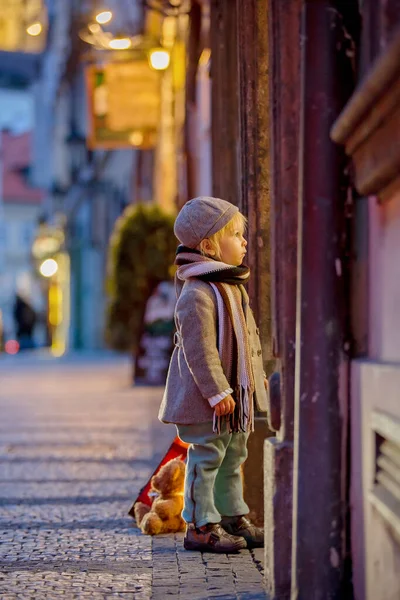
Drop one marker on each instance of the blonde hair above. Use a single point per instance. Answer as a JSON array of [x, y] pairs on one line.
[[238, 221]]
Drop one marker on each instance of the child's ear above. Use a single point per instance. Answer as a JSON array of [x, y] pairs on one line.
[[207, 247]]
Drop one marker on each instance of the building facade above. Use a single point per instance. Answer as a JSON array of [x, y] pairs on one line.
[[86, 189], [21, 207], [281, 75]]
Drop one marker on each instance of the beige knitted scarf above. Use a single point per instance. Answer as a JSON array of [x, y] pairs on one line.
[[233, 340]]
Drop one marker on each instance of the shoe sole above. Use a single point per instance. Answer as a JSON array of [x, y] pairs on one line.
[[206, 548]]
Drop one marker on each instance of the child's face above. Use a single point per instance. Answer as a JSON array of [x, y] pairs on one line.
[[232, 247]]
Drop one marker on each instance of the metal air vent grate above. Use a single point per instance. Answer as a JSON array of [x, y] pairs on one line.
[[385, 495], [388, 467]]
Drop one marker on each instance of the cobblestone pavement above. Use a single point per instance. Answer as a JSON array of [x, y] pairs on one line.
[[76, 445]]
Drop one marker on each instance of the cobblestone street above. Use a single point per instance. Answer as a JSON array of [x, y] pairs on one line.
[[77, 443]]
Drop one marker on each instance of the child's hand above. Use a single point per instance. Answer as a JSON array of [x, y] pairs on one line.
[[266, 384], [225, 406]]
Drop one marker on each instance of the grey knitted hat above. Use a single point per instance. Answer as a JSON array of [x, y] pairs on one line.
[[200, 218]]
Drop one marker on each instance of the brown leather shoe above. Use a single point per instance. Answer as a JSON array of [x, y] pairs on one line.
[[212, 538], [241, 526]]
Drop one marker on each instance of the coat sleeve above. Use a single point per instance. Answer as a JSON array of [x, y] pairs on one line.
[[196, 317]]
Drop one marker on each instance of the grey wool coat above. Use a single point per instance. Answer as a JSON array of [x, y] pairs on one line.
[[195, 372]]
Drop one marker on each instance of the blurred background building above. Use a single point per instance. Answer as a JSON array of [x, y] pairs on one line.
[[62, 58], [88, 179], [20, 200], [85, 189], [21, 209]]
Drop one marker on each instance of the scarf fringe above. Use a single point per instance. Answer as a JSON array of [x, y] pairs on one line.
[[241, 421]]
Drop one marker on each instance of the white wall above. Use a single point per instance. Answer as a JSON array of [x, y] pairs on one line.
[[16, 110]]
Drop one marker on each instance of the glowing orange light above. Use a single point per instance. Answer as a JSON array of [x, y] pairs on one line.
[[11, 347]]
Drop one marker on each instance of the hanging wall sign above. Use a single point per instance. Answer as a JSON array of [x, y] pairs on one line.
[[124, 105]]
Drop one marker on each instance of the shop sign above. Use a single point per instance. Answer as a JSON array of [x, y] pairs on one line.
[[124, 105]]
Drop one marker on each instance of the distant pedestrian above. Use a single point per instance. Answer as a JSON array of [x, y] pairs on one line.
[[25, 321], [215, 375]]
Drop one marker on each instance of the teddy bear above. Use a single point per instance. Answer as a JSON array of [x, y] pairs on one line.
[[164, 515]]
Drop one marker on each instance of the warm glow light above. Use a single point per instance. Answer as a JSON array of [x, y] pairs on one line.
[[34, 29], [205, 57], [159, 59], [120, 43], [55, 305], [94, 28], [48, 267], [57, 350], [11, 347], [104, 17], [136, 138]]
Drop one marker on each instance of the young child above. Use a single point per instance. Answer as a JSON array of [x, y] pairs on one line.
[[215, 373]]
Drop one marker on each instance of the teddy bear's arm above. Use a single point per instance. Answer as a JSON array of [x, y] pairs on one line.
[[168, 508]]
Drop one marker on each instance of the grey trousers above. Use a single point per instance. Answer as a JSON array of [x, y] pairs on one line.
[[213, 482]]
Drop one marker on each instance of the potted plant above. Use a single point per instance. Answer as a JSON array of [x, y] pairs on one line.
[[141, 256]]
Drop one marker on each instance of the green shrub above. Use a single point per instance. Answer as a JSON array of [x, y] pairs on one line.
[[141, 255]]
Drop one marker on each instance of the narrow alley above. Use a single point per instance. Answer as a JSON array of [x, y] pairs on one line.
[[77, 443]]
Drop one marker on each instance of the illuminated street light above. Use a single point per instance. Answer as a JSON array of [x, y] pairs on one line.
[[35, 29], [48, 268], [120, 43], [104, 17], [159, 59]]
